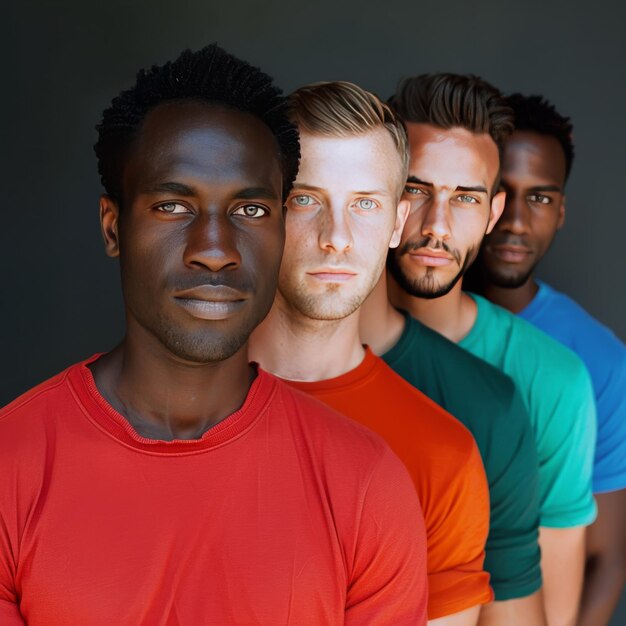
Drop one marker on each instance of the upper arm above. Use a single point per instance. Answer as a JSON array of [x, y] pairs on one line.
[[458, 525], [468, 617], [606, 538], [512, 554], [388, 583], [566, 445]]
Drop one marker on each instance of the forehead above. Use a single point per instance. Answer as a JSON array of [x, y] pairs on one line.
[[369, 161], [205, 142], [532, 155], [452, 157]]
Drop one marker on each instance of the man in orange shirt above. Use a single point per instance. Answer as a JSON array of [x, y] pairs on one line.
[[170, 481], [343, 213]]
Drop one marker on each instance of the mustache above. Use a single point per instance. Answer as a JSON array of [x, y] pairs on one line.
[[183, 283], [433, 244], [503, 239]]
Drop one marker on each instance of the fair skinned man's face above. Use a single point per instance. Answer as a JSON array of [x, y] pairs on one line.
[[533, 177], [343, 214], [452, 174]]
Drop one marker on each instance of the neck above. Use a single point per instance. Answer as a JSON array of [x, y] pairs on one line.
[[380, 324], [295, 347], [515, 300], [164, 396], [452, 315]]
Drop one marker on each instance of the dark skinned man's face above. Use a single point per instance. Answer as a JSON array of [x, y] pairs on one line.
[[200, 232], [533, 176]]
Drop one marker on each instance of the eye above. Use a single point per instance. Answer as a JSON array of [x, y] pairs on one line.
[[251, 210], [366, 204], [303, 200], [414, 191], [172, 208], [467, 199], [538, 198]]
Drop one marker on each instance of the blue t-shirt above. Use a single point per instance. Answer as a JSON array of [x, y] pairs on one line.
[[605, 357]]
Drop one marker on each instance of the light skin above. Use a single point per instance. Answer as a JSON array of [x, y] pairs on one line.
[[343, 215], [199, 232], [452, 174], [534, 176]]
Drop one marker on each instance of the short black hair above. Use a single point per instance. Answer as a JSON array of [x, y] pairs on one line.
[[454, 100], [536, 114], [208, 75]]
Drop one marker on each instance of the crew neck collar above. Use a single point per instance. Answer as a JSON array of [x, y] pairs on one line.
[[115, 425], [358, 375]]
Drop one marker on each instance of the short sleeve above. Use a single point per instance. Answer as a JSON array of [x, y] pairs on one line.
[[459, 526], [512, 555], [388, 583], [567, 444]]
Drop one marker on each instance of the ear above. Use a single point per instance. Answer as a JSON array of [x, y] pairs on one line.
[[497, 207], [109, 219], [561, 219], [402, 213]]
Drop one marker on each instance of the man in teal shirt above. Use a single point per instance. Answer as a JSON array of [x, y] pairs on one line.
[[456, 125]]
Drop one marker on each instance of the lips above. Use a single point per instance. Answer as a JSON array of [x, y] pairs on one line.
[[510, 253], [431, 258], [211, 302], [332, 275]]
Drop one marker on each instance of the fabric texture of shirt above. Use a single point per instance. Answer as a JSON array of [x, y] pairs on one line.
[[283, 513], [445, 464], [486, 401], [605, 357], [558, 395]]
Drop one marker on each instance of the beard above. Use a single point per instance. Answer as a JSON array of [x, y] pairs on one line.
[[428, 286], [330, 303], [501, 277]]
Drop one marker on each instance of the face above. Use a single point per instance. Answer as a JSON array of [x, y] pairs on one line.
[[342, 215], [533, 176], [451, 177], [200, 233]]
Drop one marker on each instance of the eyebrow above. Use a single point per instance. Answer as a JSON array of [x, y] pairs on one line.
[[417, 181], [546, 188], [180, 189], [307, 187]]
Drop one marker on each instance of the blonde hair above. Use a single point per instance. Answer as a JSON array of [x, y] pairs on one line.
[[343, 109]]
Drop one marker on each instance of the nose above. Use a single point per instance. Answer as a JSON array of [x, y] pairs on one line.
[[335, 234], [211, 244], [516, 215], [436, 223]]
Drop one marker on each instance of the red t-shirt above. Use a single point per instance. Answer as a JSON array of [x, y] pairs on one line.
[[445, 464], [284, 512]]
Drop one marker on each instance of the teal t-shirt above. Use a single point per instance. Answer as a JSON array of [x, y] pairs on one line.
[[558, 395], [487, 403]]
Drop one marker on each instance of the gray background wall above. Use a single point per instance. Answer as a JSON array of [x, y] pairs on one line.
[[64, 61]]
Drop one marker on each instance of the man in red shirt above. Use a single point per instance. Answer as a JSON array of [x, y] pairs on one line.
[[169, 481], [343, 213]]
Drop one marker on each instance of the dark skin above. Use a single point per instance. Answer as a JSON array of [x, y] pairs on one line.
[[200, 233], [533, 176]]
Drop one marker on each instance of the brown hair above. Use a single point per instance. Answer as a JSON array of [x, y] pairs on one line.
[[343, 109], [454, 100]]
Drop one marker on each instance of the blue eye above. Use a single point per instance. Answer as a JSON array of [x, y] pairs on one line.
[[367, 204], [251, 210], [303, 200], [468, 199], [172, 208], [414, 191]]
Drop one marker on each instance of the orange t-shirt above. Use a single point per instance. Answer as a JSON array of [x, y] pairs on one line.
[[445, 464], [283, 513]]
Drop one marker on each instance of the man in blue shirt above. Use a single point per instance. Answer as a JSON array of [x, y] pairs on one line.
[[536, 163]]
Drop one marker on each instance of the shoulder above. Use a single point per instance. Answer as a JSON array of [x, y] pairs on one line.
[[321, 426]]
